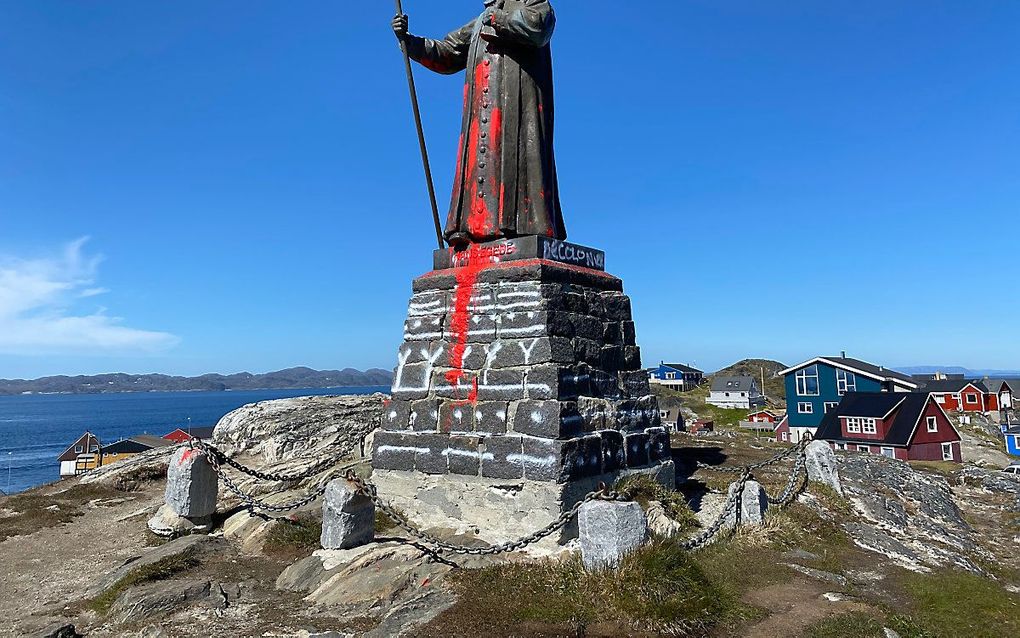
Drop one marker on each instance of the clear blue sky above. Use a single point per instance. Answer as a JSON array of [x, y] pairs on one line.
[[772, 179]]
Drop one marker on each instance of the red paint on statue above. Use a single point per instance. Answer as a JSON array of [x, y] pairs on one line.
[[186, 456], [460, 318]]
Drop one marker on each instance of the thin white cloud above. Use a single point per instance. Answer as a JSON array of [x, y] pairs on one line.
[[38, 314]]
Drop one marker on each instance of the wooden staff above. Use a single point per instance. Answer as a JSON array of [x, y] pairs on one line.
[[421, 137]]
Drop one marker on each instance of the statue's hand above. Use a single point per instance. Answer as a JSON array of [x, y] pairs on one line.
[[400, 25]]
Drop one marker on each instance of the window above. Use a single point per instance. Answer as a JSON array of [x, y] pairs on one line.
[[786, 436], [671, 375], [830, 405], [889, 452], [805, 408], [857, 425], [94, 449], [933, 424], [841, 446], [972, 398], [870, 426], [940, 398], [947, 451], [743, 394], [78, 449], [853, 425], [1016, 442], [807, 382], [845, 382], [863, 448]]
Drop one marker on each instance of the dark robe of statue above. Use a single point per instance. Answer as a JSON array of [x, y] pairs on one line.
[[506, 173]]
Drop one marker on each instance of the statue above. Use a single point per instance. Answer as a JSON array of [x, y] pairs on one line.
[[505, 184]]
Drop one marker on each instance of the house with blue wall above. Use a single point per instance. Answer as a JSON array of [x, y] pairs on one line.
[[816, 386], [677, 376], [1012, 436]]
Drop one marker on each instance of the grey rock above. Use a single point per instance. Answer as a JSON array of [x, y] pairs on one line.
[[889, 633], [348, 517], [197, 546], [169, 524], [818, 574], [608, 531], [160, 598], [753, 505], [820, 462], [59, 630], [191, 484], [800, 554]]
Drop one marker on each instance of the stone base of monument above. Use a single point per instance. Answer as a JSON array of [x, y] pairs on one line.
[[518, 389], [191, 490]]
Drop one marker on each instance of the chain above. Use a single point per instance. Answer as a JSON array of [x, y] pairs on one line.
[[369, 490], [799, 468], [732, 502]]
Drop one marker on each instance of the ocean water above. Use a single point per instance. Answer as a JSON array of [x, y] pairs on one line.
[[36, 429]]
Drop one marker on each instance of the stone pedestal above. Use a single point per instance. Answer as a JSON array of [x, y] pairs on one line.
[[518, 388], [348, 517]]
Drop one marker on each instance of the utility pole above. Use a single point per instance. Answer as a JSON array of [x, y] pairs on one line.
[[189, 426]]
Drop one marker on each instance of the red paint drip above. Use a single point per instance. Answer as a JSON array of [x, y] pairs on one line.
[[186, 457], [460, 318]]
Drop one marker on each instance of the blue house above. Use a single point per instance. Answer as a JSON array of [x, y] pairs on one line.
[[1012, 436], [817, 386], [676, 376]]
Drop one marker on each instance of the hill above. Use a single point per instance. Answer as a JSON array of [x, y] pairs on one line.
[[774, 387], [291, 378]]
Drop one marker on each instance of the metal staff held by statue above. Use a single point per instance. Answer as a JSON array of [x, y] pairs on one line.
[[421, 137]]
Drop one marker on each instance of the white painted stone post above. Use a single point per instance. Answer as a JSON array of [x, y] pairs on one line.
[[752, 505], [608, 531], [348, 517], [191, 484], [821, 465]]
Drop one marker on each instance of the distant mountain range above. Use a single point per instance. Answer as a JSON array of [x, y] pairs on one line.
[[977, 374], [291, 378]]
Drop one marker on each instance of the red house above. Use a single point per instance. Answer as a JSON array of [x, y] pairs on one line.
[[764, 416], [963, 395], [783, 431], [181, 435], [910, 426]]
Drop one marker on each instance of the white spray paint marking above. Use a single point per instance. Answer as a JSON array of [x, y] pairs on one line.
[[491, 350], [526, 460], [403, 448], [486, 456], [527, 350]]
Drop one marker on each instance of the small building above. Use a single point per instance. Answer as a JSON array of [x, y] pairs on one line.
[[676, 376], [182, 435], [964, 395], [736, 392], [782, 430], [765, 416], [910, 426], [81, 456], [672, 419], [126, 448], [1012, 437], [702, 425], [816, 386], [1005, 390]]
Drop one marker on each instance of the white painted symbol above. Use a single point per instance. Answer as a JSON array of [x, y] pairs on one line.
[[536, 416], [527, 350], [491, 350]]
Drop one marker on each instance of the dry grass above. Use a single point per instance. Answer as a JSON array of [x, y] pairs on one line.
[[289, 540], [644, 489], [37, 510], [161, 570]]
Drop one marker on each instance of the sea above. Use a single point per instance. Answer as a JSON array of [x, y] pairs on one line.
[[35, 429]]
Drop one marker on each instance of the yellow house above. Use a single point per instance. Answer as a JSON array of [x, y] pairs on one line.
[[126, 448]]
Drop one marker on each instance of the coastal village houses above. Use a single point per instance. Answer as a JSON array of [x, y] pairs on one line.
[[816, 386], [182, 435], [910, 426], [129, 447], [676, 376], [736, 392], [81, 456], [964, 395]]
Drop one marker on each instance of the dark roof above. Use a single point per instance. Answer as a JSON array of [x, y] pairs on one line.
[[733, 384], [69, 454], [872, 368], [135, 444], [953, 385], [996, 384], [682, 368], [876, 405]]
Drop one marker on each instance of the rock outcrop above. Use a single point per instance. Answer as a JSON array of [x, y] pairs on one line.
[[909, 516]]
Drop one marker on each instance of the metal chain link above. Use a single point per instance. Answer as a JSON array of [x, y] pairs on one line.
[[790, 492], [732, 502]]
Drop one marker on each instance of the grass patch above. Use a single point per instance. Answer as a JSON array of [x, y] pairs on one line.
[[644, 489], [696, 400], [292, 539], [35, 511], [160, 570], [659, 588], [942, 468], [938, 600], [384, 523], [850, 625]]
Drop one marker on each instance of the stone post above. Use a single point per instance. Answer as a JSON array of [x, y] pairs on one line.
[[608, 531], [752, 505], [348, 517], [821, 465], [191, 489]]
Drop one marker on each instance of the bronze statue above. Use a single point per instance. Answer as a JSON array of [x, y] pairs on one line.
[[506, 172]]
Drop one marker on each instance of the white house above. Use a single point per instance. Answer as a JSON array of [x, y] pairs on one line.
[[736, 392]]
